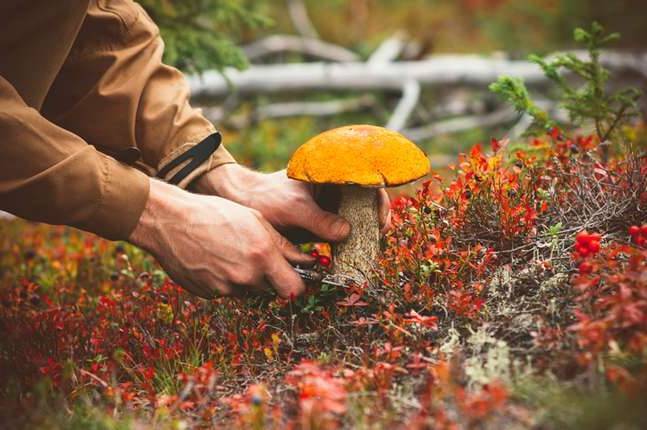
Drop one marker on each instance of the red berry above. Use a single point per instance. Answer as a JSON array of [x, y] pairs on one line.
[[634, 230], [324, 261], [315, 253], [582, 237], [585, 267], [640, 240], [582, 249], [594, 246], [643, 230], [595, 237]]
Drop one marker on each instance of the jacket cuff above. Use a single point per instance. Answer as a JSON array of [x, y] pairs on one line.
[[124, 192], [218, 158]]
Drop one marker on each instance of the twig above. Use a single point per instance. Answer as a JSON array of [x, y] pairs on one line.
[[406, 105], [389, 50], [308, 46], [455, 125], [291, 109], [300, 19], [331, 107], [101, 382]]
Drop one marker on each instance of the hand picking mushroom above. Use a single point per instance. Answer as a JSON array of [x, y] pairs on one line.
[[358, 159]]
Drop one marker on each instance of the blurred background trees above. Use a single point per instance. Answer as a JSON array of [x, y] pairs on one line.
[[212, 34], [203, 34]]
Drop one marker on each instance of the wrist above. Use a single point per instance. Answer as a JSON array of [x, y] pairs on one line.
[[229, 181], [159, 205]]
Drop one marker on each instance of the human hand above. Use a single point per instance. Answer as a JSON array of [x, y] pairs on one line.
[[284, 202], [212, 246]]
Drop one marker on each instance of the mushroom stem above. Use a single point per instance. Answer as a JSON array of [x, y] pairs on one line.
[[357, 254]]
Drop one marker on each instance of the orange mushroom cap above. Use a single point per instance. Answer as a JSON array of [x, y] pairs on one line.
[[358, 154]]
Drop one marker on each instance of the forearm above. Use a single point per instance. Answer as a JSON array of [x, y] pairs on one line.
[[50, 175]]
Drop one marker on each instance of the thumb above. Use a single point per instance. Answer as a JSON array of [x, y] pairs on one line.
[[326, 225]]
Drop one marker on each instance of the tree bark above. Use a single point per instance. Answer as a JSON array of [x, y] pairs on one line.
[[356, 255]]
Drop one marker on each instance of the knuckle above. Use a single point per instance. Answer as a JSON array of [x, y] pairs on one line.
[[300, 199], [243, 277], [283, 243], [260, 251]]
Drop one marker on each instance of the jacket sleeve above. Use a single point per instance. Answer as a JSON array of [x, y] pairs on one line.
[[50, 175], [114, 91]]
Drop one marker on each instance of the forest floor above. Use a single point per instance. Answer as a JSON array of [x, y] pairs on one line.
[[513, 295]]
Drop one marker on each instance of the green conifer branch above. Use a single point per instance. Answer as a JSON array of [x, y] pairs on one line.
[[590, 101]]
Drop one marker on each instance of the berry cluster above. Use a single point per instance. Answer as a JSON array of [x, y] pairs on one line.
[[586, 244], [638, 234], [323, 260]]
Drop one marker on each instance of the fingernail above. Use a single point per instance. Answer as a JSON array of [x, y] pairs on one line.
[[341, 228]]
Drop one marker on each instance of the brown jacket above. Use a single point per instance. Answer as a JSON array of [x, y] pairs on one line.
[[80, 79]]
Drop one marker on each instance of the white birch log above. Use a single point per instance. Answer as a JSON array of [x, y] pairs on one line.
[[438, 70]]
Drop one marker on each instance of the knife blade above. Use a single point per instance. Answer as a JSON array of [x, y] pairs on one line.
[[311, 275]]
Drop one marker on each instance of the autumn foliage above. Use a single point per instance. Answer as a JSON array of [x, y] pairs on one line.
[[98, 322]]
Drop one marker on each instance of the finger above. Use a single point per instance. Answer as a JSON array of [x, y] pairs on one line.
[[190, 286], [199, 290], [287, 283], [326, 225], [287, 249], [384, 210], [259, 288]]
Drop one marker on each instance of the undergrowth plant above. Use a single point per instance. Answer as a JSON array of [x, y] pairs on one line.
[[587, 99]]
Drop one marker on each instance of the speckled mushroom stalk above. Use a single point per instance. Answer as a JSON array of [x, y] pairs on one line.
[[357, 254], [359, 159]]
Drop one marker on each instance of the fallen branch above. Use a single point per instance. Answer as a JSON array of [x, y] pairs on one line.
[[439, 70], [406, 105], [289, 109], [300, 19], [332, 107], [307, 46], [455, 125], [389, 50]]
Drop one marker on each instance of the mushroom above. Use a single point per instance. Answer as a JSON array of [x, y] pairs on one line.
[[358, 159]]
